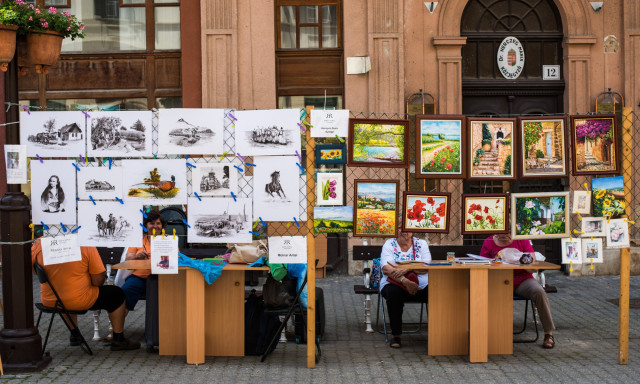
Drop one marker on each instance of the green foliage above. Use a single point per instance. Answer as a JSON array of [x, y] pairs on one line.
[[445, 159], [428, 138], [506, 169], [532, 134], [539, 154], [486, 134], [506, 141], [31, 19]]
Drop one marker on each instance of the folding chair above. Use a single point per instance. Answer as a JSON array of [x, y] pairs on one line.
[[524, 322], [61, 310], [384, 330]]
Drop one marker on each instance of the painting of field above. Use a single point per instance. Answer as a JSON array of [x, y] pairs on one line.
[[378, 142], [375, 212], [333, 219], [439, 151]]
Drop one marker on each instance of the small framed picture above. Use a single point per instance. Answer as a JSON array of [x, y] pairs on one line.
[[543, 147], [376, 209], [332, 219], [594, 145], [439, 153], [378, 143], [592, 250], [331, 154], [485, 213], [617, 231], [491, 154], [571, 251], [581, 202], [541, 215], [593, 226], [608, 196], [329, 188], [426, 212]]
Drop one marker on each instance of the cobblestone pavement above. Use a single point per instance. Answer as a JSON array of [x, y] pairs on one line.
[[586, 348]]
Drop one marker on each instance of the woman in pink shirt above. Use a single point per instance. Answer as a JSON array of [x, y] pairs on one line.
[[524, 285]]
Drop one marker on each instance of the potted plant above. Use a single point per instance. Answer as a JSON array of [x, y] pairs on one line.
[[8, 31]]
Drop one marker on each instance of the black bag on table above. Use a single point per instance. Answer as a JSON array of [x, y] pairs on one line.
[[259, 328]]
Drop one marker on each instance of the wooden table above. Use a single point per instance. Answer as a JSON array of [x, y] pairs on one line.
[[197, 319], [471, 308]]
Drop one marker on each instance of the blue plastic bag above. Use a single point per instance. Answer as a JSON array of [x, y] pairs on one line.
[[298, 272], [209, 271]]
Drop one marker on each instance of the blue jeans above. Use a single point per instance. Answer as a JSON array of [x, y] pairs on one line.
[[134, 287]]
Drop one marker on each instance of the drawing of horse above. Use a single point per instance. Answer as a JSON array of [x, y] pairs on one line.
[[274, 186], [102, 225], [111, 225]]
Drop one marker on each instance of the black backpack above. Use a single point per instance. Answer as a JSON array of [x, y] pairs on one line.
[[259, 328]]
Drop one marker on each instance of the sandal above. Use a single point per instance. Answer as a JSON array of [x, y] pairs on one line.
[[395, 342], [549, 342]]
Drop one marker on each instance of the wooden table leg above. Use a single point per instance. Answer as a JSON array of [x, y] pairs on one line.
[[194, 298], [448, 312], [501, 312], [478, 315]]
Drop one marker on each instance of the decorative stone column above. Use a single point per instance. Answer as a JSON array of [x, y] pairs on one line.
[[449, 56]]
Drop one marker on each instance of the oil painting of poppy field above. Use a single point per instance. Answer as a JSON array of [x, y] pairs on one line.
[[426, 212], [485, 213], [375, 210], [440, 150]]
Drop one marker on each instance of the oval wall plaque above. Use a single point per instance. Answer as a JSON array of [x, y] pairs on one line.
[[510, 58]]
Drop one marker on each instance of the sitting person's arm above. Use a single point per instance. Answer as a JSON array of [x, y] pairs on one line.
[[393, 273], [98, 279], [96, 267], [135, 253], [525, 246]]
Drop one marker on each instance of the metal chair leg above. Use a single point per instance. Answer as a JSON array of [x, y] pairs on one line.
[[535, 323], [46, 339]]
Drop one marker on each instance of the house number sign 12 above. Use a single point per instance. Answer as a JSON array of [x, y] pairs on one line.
[[510, 58], [550, 72]]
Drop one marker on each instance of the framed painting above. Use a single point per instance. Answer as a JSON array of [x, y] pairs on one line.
[[593, 226], [541, 215], [53, 133], [331, 154], [543, 147], [267, 132], [329, 188], [490, 149], [426, 212], [485, 213], [332, 219], [582, 202], [594, 146], [617, 231], [608, 196], [376, 209], [190, 131], [592, 251], [571, 250], [378, 143], [439, 146]]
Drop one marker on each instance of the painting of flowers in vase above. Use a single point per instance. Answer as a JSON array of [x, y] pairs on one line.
[[485, 213], [375, 211], [541, 215], [426, 212], [608, 196], [329, 188], [595, 145]]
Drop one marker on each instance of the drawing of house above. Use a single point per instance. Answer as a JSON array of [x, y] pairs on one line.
[[70, 132]]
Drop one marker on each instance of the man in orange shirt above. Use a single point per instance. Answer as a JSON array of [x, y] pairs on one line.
[[80, 286]]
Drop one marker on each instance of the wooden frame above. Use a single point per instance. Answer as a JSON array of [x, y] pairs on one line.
[[494, 166], [439, 160], [608, 198], [297, 4], [425, 208], [323, 157], [549, 139], [489, 213], [528, 211], [604, 151], [370, 219], [383, 159]]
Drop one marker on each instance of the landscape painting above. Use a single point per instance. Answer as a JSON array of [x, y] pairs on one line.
[[608, 196], [155, 181], [99, 183], [426, 212], [378, 143], [120, 134], [109, 224], [539, 215], [485, 213], [219, 220], [53, 134], [267, 132], [375, 212], [544, 149], [53, 192], [332, 219], [184, 131], [595, 145], [214, 179], [440, 151], [491, 149], [276, 188]]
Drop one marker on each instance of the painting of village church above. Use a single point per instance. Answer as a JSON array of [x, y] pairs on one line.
[[491, 149], [544, 147], [120, 134], [53, 134], [183, 131], [219, 220]]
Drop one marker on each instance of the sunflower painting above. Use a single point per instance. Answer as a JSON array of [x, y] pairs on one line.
[[608, 196], [331, 154]]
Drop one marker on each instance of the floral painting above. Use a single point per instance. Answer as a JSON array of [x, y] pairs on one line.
[[378, 143], [539, 215], [608, 196], [440, 150], [331, 154], [329, 188], [426, 212], [491, 149], [375, 211], [595, 145], [485, 213], [543, 147], [617, 231], [332, 219]]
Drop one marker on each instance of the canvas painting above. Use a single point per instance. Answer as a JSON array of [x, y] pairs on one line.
[[109, 224], [491, 149], [426, 212], [544, 151], [219, 220], [214, 179], [120, 134], [539, 215], [185, 131], [617, 231], [101, 183], [440, 151], [376, 207], [53, 192], [571, 251], [581, 202], [276, 188], [157, 182], [608, 196], [485, 213], [268, 132], [53, 134], [592, 250], [378, 143], [332, 219], [595, 145], [329, 188]]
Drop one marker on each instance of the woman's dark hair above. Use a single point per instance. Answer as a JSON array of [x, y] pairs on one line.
[[45, 194], [153, 216]]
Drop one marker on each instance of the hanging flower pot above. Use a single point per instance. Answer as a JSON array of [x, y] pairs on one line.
[[7, 44], [22, 55], [43, 49]]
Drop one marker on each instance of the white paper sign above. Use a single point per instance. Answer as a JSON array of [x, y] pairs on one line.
[[57, 250], [288, 249], [15, 157], [164, 255], [329, 123]]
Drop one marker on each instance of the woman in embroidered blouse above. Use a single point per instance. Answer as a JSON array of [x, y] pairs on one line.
[[405, 247], [52, 198]]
